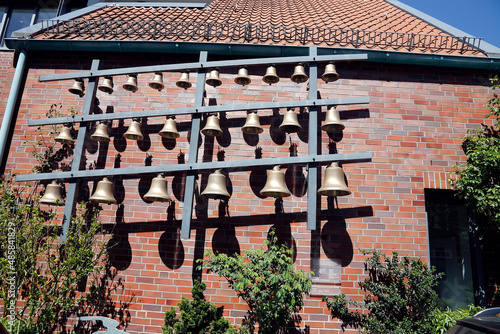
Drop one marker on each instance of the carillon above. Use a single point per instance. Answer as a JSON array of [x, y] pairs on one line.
[[183, 81], [290, 122], [332, 121], [271, 77], [158, 191], [101, 133], [77, 87], [330, 74], [252, 124], [104, 192], [64, 136], [242, 78], [275, 184], [157, 82], [169, 129], [299, 74], [52, 195], [134, 131], [213, 78], [212, 127], [106, 85], [216, 186], [334, 182], [131, 84]]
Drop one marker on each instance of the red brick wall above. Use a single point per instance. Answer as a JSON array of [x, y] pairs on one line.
[[414, 126], [6, 75]]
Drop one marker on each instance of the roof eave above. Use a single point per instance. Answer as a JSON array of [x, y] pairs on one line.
[[253, 50]]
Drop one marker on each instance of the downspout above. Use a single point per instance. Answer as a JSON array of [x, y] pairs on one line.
[[10, 108]]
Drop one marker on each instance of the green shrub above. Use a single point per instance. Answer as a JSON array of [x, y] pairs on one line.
[[401, 298], [447, 318], [197, 316], [40, 278], [267, 281]]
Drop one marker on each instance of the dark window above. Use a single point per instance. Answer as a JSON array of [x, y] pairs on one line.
[[450, 248]]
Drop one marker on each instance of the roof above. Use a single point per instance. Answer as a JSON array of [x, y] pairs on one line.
[[359, 24]]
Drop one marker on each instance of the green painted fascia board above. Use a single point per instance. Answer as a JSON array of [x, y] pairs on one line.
[[253, 50]]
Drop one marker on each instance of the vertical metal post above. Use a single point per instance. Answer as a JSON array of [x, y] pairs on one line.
[[73, 186], [193, 150], [312, 175], [11, 104]]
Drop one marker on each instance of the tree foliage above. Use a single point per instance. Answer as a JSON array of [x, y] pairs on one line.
[[197, 316], [41, 279], [399, 297], [477, 182], [267, 281]]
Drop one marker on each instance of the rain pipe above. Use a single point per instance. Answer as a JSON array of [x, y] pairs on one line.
[[11, 104]]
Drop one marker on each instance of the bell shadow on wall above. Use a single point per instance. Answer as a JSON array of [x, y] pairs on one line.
[[251, 139], [258, 177], [277, 136], [119, 249], [119, 188], [145, 181], [119, 141], [303, 119], [100, 162], [179, 179], [224, 241], [294, 176], [225, 139], [170, 248], [283, 233], [144, 144], [333, 237]]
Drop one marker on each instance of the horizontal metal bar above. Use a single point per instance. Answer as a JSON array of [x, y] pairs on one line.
[[227, 165], [203, 109], [197, 65]]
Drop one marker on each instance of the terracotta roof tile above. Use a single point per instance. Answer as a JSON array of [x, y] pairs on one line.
[[374, 24]]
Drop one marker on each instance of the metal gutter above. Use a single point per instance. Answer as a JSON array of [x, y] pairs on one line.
[[488, 48], [253, 50], [8, 116]]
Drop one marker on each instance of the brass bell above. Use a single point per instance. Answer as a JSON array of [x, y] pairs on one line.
[[77, 87], [334, 183], [101, 133], [330, 74], [212, 128], [134, 131], [275, 184], [271, 77], [52, 195], [64, 136], [252, 124], [332, 121], [169, 129], [242, 78], [158, 190], [183, 81], [213, 79], [107, 85], [157, 81], [216, 186], [131, 84], [290, 122], [104, 192], [299, 74]]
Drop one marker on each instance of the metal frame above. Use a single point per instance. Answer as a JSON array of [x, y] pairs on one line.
[[313, 160], [175, 30]]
